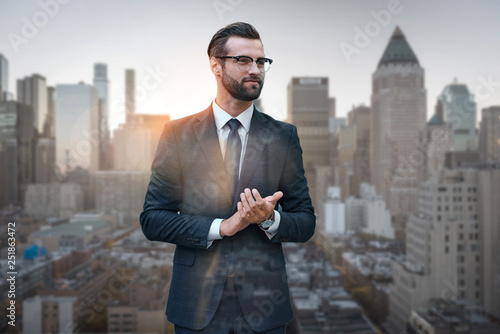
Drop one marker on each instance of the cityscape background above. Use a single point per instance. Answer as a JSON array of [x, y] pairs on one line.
[[397, 105]]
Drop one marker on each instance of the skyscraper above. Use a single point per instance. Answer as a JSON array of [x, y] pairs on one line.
[[4, 77], [32, 91], [16, 151], [361, 161], [435, 143], [129, 92], [459, 110], [398, 117], [489, 136], [77, 126], [49, 125], [309, 110], [101, 83]]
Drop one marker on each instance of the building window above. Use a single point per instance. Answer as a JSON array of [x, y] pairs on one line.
[[446, 249]]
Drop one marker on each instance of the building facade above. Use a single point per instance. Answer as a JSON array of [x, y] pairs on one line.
[[129, 92], [32, 91], [489, 136], [444, 246], [4, 77], [309, 110], [17, 167], [398, 117], [101, 83], [459, 111], [77, 126]]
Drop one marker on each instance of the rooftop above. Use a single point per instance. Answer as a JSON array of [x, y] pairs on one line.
[[453, 314], [82, 227], [398, 51]]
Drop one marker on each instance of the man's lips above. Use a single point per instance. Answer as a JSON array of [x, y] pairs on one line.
[[253, 81]]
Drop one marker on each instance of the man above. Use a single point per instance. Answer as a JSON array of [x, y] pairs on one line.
[[227, 187]]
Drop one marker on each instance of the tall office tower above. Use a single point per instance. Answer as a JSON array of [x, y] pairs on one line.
[[49, 130], [129, 92], [489, 136], [4, 77], [489, 216], [434, 143], [343, 163], [459, 110], [45, 158], [101, 82], [361, 160], [398, 117], [331, 139], [309, 111], [444, 245], [32, 91], [77, 126], [16, 151]]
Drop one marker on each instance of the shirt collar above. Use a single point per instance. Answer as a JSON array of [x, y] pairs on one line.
[[221, 117]]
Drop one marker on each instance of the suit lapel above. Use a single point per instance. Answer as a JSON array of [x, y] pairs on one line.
[[206, 133]]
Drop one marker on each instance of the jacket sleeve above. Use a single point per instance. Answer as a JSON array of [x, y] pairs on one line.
[[161, 219], [298, 221]]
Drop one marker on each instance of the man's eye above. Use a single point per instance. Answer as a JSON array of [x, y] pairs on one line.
[[244, 61]]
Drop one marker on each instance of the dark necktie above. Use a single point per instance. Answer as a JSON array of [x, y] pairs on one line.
[[233, 153]]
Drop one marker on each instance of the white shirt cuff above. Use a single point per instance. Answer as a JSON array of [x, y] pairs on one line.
[[273, 229], [213, 233]]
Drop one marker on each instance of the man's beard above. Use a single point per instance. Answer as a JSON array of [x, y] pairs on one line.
[[239, 91]]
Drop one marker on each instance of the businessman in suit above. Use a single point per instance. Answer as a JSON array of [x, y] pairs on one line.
[[227, 187]]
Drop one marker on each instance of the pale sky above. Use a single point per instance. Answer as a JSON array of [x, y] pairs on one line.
[[451, 38]]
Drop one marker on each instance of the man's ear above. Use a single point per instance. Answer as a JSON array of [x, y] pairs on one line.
[[215, 66]]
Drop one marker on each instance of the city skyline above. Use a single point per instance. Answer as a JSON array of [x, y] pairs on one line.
[[323, 39]]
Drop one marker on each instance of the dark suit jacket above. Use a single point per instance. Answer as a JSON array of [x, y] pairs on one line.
[[189, 188]]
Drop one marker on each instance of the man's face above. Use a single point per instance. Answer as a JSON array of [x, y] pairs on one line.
[[243, 85]]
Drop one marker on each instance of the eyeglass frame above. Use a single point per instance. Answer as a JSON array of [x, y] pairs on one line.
[[253, 60]]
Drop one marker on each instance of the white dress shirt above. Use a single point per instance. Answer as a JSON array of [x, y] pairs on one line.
[[221, 118]]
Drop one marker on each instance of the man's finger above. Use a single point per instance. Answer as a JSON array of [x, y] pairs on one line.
[[244, 202], [258, 199], [274, 198], [250, 199]]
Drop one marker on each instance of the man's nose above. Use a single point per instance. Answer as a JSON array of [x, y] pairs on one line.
[[254, 68]]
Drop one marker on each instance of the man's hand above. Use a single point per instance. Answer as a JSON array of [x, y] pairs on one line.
[[251, 210], [232, 225], [255, 209]]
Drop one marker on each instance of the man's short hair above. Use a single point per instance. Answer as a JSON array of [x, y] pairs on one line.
[[217, 46]]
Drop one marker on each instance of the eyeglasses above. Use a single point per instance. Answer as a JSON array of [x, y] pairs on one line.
[[245, 62]]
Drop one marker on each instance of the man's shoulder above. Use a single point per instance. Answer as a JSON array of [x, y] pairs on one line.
[[276, 124], [190, 119]]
